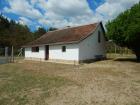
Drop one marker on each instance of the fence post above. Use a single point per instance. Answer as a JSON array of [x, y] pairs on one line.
[[115, 49], [12, 54], [6, 51], [6, 54]]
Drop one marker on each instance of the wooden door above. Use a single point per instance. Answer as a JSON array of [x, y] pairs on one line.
[[46, 52]]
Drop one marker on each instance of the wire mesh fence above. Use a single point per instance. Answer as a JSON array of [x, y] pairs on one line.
[[6, 55], [114, 51]]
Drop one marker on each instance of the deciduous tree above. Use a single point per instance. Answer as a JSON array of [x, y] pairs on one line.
[[125, 29]]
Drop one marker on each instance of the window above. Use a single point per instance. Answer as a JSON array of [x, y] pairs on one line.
[[63, 48], [99, 36], [35, 49]]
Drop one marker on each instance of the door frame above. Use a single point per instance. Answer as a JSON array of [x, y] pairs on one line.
[[46, 52]]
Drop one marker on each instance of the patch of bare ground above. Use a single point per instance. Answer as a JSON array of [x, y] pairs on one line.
[[100, 83], [106, 82]]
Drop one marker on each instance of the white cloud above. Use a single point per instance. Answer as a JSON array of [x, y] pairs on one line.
[[23, 8], [77, 12], [66, 12], [68, 7], [25, 21], [111, 8]]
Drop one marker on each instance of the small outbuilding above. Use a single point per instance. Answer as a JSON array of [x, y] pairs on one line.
[[72, 44]]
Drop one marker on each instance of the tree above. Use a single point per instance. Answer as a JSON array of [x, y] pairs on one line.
[[13, 34], [39, 32], [125, 29]]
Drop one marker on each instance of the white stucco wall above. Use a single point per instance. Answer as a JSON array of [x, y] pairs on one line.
[[72, 52], [90, 47], [39, 55]]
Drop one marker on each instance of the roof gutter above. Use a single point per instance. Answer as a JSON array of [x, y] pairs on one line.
[[73, 42]]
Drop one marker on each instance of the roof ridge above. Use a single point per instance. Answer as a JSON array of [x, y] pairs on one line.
[[74, 27]]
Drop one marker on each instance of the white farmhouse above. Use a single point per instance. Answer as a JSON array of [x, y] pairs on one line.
[[73, 44]]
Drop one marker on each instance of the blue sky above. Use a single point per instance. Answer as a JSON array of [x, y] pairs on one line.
[[62, 13]]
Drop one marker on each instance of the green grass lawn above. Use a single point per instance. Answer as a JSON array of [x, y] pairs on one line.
[[19, 86]]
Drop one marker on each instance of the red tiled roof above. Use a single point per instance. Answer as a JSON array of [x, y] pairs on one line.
[[68, 35]]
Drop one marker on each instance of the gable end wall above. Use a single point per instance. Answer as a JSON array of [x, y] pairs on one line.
[[90, 47]]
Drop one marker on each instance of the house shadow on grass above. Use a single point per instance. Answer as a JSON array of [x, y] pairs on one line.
[[126, 60], [120, 59], [93, 61]]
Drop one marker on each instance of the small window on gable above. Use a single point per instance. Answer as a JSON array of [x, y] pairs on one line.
[[63, 48], [35, 49], [99, 36]]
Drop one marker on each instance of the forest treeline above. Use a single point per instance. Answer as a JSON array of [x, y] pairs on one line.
[[16, 34]]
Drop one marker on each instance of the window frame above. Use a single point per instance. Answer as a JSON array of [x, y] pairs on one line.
[[63, 48], [99, 37], [35, 49]]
